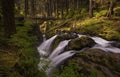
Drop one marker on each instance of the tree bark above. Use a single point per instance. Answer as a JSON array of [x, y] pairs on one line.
[[8, 17], [32, 7], [90, 8], [110, 11], [26, 8], [56, 9]]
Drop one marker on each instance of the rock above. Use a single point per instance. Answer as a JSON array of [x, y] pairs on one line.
[[62, 37], [106, 63], [79, 43], [115, 44]]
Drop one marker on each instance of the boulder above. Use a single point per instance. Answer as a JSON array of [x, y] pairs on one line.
[[115, 44], [59, 38], [95, 62], [79, 43]]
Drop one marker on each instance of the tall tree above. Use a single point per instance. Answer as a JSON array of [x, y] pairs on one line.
[[111, 7], [32, 7], [90, 8], [26, 8], [8, 17]]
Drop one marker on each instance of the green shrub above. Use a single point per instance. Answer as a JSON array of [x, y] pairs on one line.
[[101, 13], [117, 11], [25, 41]]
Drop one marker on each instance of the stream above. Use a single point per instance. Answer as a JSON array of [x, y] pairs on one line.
[[50, 59]]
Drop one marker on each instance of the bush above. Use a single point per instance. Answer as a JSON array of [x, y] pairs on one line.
[[117, 11], [25, 41], [101, 13]]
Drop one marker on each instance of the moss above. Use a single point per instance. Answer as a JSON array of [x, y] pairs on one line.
[[20, 57], [61, 38], [96, 63], [79, 43]]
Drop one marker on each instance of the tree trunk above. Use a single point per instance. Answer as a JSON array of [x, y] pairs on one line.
[[26, 8], [110, 11], [32, 7], [62, 9], [66, 6], [56, 13], [8, 17], [90, 8]]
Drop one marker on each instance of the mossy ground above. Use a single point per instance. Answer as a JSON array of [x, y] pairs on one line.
[[92, 63]]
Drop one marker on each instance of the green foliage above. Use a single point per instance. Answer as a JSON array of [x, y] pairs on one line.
[[70, 14], [99, 27], [67, 71], [84, 13], [25, 41], [101, 13], [71, 70], [117, 11]]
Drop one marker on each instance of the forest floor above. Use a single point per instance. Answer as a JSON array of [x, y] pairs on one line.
[[103, 27]]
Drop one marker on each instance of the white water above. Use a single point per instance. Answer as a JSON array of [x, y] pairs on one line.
[[44, 38], [59, 49], [56, 57], [44, 48], [101, 41], [57, 60], [79, 35], [105, 45], [108, 49]]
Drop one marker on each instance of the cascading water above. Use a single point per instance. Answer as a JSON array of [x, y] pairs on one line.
[[57, 60], [44, 48], [101, 41], [58, 56], [59, 49], [105, 45], [44, 38]]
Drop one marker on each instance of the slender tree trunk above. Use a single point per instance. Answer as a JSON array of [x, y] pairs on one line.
[[32, 7], [47, 8], [62, 9], [90, 8], [77, 4], [17, 2], [53, 5], [26, 8], [8, 17], [50, 8], [66, 6], [56, 13], [110, 11]]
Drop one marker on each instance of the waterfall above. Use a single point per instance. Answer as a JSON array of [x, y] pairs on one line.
[[44, 38], [79, 35], [108, 49], [44, 48], [104, 45], [58, 55], [59, 49], [57, 60], [101, 41]]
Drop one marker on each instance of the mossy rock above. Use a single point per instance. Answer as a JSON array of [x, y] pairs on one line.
[[79, 43], [116, 44], [60, 38], [106, 64]]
